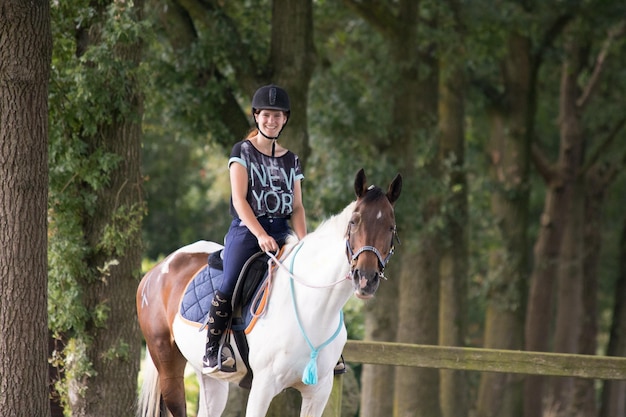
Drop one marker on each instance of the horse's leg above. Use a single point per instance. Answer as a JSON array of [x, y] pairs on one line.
[[213, 396], [264, 389], [171, 366], [315, 397]]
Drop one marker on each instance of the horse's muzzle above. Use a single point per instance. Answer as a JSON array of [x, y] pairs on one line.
[[365, 283]]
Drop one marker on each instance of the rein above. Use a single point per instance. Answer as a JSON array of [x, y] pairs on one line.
[[278, 263]]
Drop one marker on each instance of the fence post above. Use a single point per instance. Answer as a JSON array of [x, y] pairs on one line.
[[333, 407]]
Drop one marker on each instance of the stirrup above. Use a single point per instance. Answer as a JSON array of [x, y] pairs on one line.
[[340, 367], [223, 363], [228, 363]]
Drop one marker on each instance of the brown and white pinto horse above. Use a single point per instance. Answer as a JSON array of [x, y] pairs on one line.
[[301, 333]]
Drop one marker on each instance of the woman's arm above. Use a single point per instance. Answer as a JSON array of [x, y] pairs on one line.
[[298, 216]]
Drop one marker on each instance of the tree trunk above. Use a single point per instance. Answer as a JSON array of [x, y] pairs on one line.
[[509, 148], [558, 202], [597, 180], [380, 325], [292, 61], [25, 56], [414, 116], [614, 392], [569, 317], [113, 233], [454, 253]]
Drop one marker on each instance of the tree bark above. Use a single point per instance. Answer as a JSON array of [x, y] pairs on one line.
[[569, 315], [414, 115], [292, 61], [547, 250], [380, 325], [596, 182], [509, 148], [25, 57], [454, 253], [613, 402]]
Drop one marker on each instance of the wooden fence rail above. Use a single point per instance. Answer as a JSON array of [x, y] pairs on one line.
[[486, 360], [475, 359]]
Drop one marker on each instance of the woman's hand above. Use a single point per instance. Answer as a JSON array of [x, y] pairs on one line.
[[267, 243]]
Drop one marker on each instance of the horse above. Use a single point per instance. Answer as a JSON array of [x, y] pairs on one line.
[[301, 334]]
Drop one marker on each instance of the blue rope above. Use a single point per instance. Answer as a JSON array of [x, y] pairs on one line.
[[309, 377]]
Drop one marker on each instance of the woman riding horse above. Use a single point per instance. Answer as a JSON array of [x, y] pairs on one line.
[[266, 192]]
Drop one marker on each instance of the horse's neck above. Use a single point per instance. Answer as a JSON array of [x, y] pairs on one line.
[[324, 249], [319, 265]]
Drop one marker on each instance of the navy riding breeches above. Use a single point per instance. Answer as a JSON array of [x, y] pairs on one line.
[[241, 244]]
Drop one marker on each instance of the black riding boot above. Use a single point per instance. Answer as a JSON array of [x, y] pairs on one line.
[[219, 314]]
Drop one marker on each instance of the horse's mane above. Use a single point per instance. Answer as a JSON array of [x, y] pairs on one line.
[[335, 225]]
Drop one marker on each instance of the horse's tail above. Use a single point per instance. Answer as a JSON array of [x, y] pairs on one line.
[[148, 404]]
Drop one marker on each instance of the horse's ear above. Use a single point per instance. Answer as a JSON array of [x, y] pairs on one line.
[[394, 189], [360, 183]]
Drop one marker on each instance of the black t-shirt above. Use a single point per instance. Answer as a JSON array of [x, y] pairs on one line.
[[271, 180]]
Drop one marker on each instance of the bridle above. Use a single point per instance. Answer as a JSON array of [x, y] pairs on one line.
[[382, 262]]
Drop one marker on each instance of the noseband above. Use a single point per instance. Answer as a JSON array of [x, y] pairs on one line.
[[382, 263]]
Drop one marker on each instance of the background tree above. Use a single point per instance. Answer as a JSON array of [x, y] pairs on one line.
[[614, 392], [96, 203], [26, 48], [568, 178], [413, 115], [452, 173], [510, 94]]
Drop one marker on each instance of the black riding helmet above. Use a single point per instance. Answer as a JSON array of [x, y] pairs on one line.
[[270, 97]]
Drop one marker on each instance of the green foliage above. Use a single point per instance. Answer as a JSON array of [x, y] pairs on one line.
[[189, 79], [85, 92], [75, 363], [187, 193], [353, 317], [120, 352], [93, 83], [66, 262], [126, 221], [348, 119]]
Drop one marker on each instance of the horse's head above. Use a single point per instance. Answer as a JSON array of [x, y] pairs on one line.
[[371, 234]]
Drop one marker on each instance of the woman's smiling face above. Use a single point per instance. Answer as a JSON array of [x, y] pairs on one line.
[[271, 121]]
